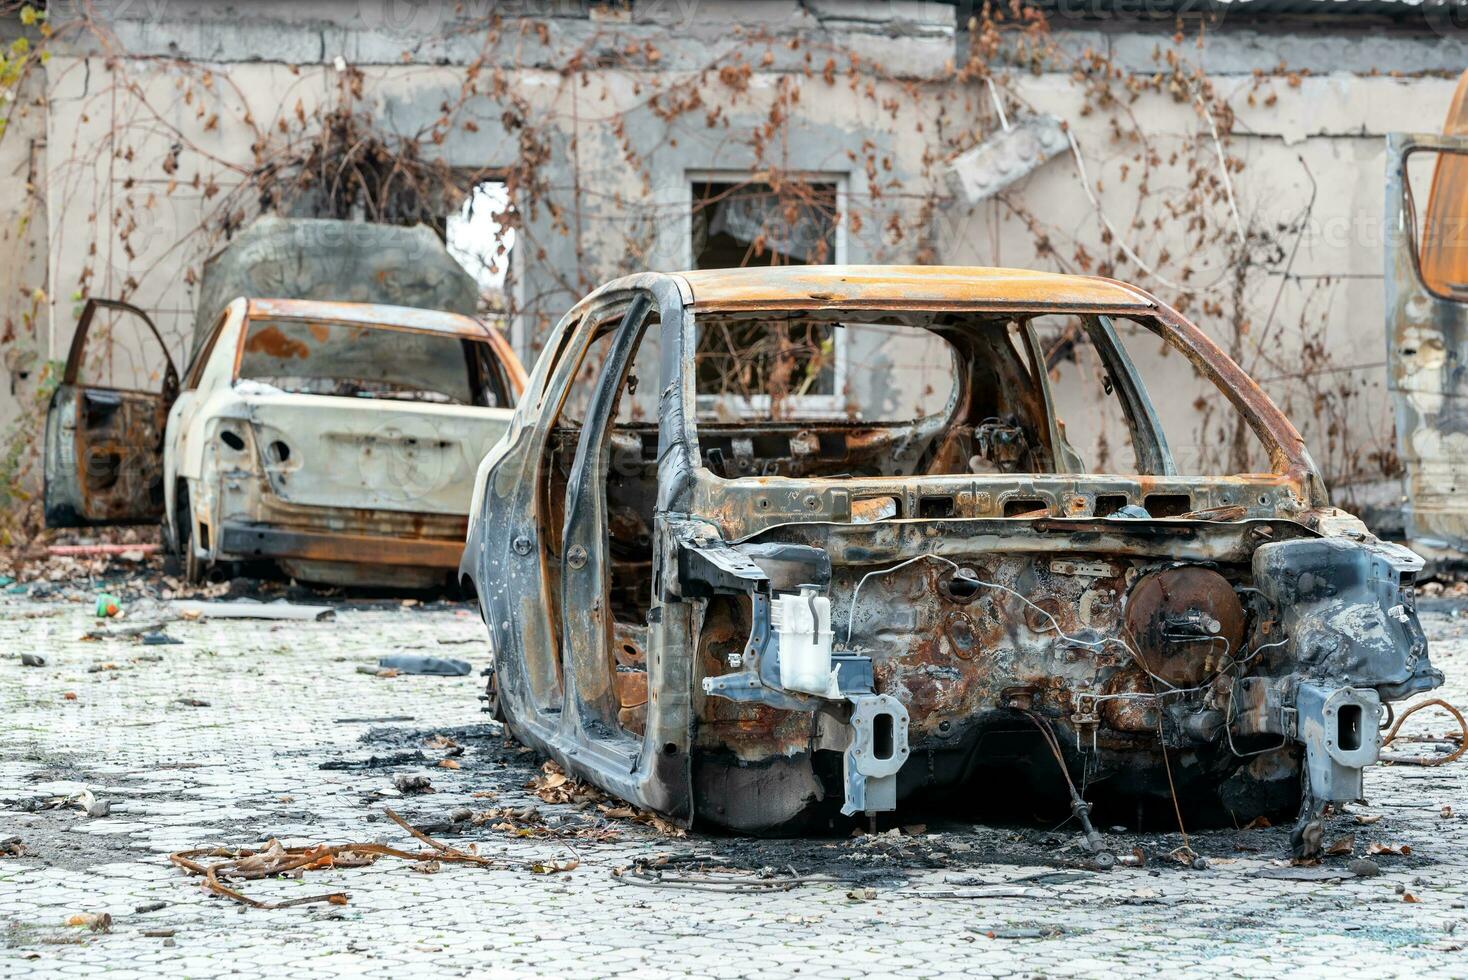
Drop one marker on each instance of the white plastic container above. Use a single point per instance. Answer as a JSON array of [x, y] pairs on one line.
[[803, 623]]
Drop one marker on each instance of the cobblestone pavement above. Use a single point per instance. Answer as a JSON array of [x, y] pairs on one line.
[[246, 731]]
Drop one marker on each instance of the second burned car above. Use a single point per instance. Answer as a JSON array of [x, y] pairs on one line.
[[761, 610], [337, 440]]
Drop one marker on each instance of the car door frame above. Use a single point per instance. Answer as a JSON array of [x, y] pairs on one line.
[[66, 500]]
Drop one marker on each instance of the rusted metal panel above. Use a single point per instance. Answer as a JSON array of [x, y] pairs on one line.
[[104, 445], [250, 541], [906, 287], [1160, 631]]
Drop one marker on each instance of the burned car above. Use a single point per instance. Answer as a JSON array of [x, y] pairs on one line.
[[338, 440], [765, 617]]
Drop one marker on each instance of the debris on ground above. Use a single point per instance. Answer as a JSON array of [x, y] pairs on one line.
[[32, 660], [1364, 868], [127, 552], [85, 801], [108, 606], [95, 921], [413, 783], [132, 632], [417, 663], [12, 847], [705, 872], [1460, 736], [277, 860], [251, 609]]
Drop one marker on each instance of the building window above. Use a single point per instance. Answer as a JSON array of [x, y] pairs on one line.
[[762, 364], [480, 237]]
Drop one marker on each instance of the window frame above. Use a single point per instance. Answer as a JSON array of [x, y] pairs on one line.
[[830, 406]]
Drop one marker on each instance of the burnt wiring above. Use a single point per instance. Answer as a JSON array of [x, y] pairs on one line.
[[1095, 844], [1408, 760]]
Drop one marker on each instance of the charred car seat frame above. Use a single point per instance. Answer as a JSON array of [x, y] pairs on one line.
[[879, 620]]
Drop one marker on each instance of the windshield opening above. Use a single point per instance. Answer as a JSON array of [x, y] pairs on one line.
[[353, 360]]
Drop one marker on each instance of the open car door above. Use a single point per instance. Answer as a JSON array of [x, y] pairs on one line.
[[1427, 328], [105, 425]]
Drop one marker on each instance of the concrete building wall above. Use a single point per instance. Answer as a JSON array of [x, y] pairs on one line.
[[197, 84]]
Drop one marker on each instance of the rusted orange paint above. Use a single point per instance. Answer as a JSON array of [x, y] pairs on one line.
[[908, 288], [271, 341], [1443, 252]]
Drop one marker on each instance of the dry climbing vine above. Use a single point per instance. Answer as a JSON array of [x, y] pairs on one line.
[[1187, 231]]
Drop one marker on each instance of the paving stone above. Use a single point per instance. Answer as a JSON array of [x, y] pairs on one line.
[[246, 767]]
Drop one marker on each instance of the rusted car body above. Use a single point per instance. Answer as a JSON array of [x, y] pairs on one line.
[[983, 605], [1427, 330], [338, 440]]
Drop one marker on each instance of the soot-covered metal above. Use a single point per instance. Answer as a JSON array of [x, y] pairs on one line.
[[869, 614]]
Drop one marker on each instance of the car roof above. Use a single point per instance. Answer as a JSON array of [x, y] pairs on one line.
[[907, 287], [371, 314]]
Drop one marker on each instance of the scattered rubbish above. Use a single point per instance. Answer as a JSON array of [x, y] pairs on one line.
[[1042, 932], [158, 639], [448, 764], [373, 721], [125, 632], [12, 847], [276, 860], [102, 668], [150, 907], [995, 891], [131, 552], [1367, 818], [32, 660], [1392, 849], [413, 783], [1461, 737], [107, 606], [862, 894], [372, 671], [1136, 859], [663, 871], [1342, 845], [158, 933], [1301, 873], [251, 609], [95, 921], [90, 805], [377, 761], [85, 801], [1364, 868], [191, 702], [417, 663], [554, 867]]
